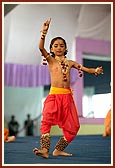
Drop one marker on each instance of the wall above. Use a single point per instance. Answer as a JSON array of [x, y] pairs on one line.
[[23, 101]]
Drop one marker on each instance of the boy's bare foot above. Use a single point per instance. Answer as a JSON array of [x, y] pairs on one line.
[[41, 152], [61, 153]]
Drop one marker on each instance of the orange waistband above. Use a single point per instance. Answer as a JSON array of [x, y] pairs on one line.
[[57, 90]]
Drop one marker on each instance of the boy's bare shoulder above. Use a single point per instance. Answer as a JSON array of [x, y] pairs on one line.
[[71, 62]]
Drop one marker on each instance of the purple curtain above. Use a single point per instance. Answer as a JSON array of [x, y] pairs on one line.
[[18, 75]]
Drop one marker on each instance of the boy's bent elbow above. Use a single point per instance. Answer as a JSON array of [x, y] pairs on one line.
[[41, 49]]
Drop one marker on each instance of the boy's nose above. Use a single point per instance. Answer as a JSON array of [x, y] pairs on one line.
[[59, 48]]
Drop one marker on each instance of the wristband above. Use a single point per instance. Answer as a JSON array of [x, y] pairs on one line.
[[43, 33], [96, 71]]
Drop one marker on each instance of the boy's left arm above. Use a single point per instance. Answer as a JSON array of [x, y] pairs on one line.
[[95, 71]]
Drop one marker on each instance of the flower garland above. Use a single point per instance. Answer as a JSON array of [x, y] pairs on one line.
[[80, 70], [64, 66]]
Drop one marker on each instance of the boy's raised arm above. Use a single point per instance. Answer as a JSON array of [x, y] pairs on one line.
[[42, 38]]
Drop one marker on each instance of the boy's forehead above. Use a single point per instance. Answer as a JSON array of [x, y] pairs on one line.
[[58, 41]]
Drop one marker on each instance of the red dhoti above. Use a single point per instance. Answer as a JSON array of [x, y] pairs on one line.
[[59, 109]]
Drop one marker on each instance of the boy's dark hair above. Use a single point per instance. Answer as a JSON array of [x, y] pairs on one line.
[[52, 42]]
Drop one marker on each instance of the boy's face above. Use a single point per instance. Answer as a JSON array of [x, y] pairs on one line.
[[58, 48]]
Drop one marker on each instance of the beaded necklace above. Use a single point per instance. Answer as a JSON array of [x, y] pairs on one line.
[[64, 66]]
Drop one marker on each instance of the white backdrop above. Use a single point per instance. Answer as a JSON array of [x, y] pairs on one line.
[[23, 24]]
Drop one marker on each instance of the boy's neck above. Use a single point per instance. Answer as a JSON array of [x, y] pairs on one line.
[[60, 57]]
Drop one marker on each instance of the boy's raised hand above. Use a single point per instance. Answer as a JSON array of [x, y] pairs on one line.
[[46, 25]]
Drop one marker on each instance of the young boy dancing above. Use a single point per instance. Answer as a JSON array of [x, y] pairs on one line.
[[59, 107]]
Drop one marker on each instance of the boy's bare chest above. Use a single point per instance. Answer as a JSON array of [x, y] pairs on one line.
[[57, 68]]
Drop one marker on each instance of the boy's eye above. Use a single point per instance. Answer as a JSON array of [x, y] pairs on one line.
[[57, 45]]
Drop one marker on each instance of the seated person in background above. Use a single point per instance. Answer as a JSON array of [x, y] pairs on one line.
[[8, 138], [107, 124]]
